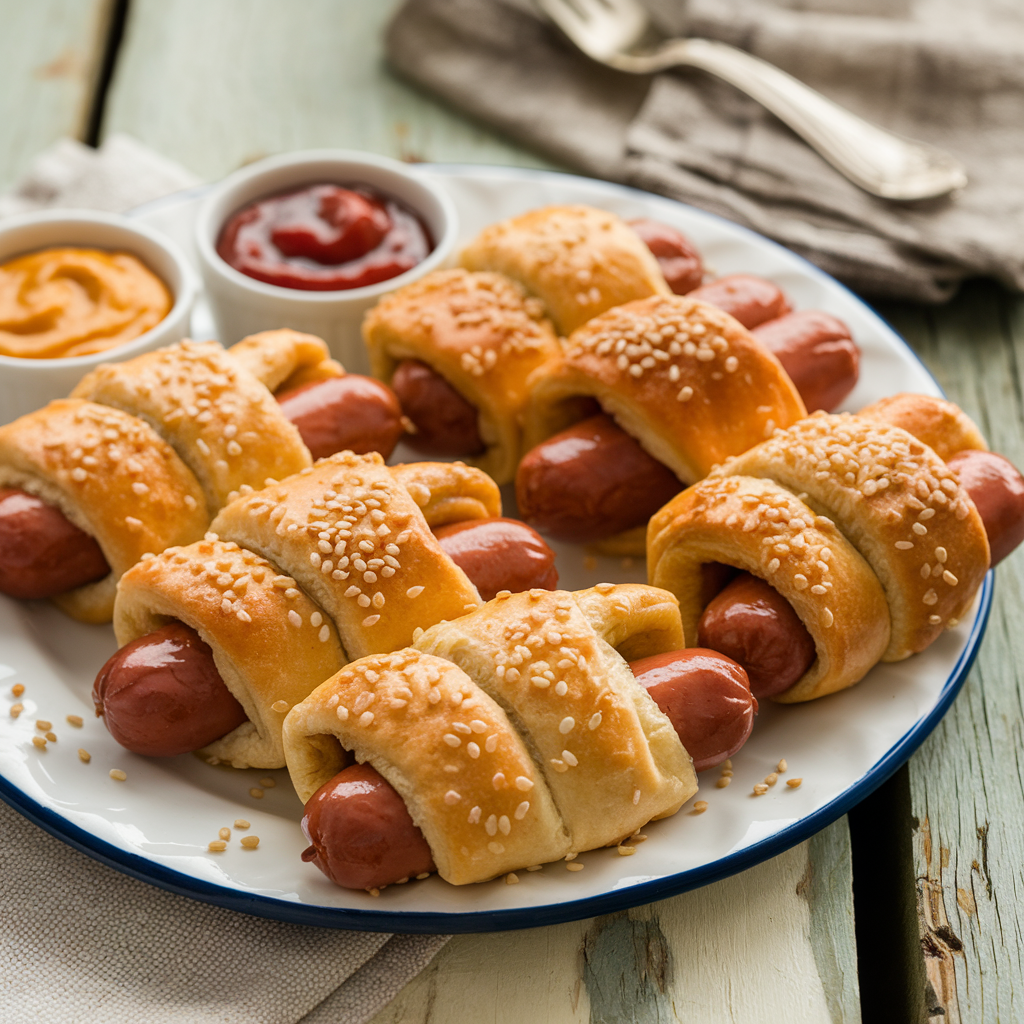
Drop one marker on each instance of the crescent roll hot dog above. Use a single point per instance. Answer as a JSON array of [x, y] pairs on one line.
[[364, 572], [514, 735], [458, 348], [684, 380], [882, 550], [578, 260]]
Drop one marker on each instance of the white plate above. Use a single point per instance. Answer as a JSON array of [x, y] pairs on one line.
[[157, 824]]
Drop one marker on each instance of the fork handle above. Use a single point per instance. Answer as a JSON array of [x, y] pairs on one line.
[[879, 161]]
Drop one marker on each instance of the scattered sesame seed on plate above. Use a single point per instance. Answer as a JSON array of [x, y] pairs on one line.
[[256, 792], [241, 823], [217, 846], [118, 775], [224, 833], [84, 756], [793, 783], [250, 842], [75, 720], [700, 807], [574, 866]]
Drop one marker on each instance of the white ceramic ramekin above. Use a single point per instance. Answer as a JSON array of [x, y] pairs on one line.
[[28, 384], [242, 305]]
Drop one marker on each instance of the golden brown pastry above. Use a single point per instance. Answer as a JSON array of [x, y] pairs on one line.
[[223, 423], [849, 485], [940, 424], [578, 260], [285, 359], [270, 642], [515, 734], [112, 476], [480, 333], [355, 540]]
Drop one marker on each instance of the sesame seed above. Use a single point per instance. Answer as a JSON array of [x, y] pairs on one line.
[[930, 597], [828, 617], [117, 774], [371, 620], [567, 725], [920, 529], [724, 781], [940, 556], [451, 798], [474, 816], [760, 789], [569, 758], [771, 779], [84, 756], [700, 807], [511, 878], [782, 766], [636, 796], [44, 726], [373, 892], [280, 706], [495, 847], [268, 782], [504, 825], [241, 823], [595, 721], [224, 833], [574, 866], [39, 741], [51, 737], [793, 783], [523, 784], [451, 739], [294, 617], [250, 842], [473, 750], [903, 545], [256, 793], [217, 846], [18, 689], [950, 578]]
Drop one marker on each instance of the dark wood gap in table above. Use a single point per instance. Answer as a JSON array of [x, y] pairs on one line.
[[118, 17]]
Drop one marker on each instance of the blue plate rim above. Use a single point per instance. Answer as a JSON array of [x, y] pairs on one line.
[[420, 922]]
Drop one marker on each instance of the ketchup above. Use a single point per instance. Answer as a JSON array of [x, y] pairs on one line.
[[324, 238]]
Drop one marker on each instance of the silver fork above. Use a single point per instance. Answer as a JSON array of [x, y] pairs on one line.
[[619, 33]]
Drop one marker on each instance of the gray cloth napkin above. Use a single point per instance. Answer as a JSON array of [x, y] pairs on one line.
[[942, 71], [81, 942]]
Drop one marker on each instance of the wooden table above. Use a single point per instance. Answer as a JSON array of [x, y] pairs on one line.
[[922, 886]]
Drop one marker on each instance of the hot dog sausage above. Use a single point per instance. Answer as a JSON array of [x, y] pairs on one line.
[[41, 552], [707, 698], [162, 694], [352, 413], [500, 554], [751, 300], [752, 623], [590, 482], [361, 832], [818, 353], [446, 424], [680, 263], [997, 489]]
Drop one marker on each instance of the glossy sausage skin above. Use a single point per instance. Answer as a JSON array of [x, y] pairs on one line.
[[41, 552], [818, 353], [707, 698], [590, 482], [752, 623], [350, 413], [751, 300], [162, 694], [446, 424], [997, 490], [361, 833], [680, 263], [500, 554]]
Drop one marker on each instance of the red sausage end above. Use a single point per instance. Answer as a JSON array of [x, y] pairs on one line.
[[361, 832], [162, 694]]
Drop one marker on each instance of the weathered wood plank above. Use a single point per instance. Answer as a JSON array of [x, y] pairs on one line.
[[773, 943], [966, 788], [50, 55], [221, 84]]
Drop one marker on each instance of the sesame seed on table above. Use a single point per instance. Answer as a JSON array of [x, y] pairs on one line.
[[215, 86]]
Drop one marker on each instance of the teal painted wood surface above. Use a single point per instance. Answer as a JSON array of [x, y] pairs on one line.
[[219, 84], [50, 55]]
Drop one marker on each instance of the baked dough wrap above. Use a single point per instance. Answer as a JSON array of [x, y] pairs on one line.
[[223, 423], [897, 502], [938, 423], [449, 492], [758, 526], [611, 758], [270, 642], [285, 359], [684, 379], [578, 260], [464, 773], [483, 335], [113, 477], [356, 542]]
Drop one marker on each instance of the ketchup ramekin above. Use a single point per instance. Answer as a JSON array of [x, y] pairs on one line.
[[28, 384], [242, 305]]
